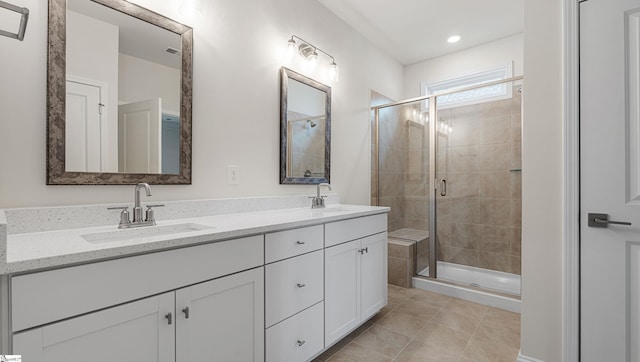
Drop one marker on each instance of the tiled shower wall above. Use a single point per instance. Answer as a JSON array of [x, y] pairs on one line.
[[403, 164], [479, 220], [306, 145]]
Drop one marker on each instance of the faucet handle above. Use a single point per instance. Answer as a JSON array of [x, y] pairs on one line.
[[124, 216], [149, 214]]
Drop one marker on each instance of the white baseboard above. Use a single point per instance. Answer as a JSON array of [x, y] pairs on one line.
[[523, 358]]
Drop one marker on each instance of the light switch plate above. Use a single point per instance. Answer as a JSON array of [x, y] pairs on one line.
[[233, 175]]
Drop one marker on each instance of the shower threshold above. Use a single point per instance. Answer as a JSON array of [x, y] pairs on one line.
[[491, 280]]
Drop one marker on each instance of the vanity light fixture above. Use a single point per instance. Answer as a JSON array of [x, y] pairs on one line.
[[309, 52]]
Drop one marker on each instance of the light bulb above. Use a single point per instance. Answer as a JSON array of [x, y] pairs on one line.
[[334, 72], [191, 7], [313, 59], [453, 39], [291, 48]]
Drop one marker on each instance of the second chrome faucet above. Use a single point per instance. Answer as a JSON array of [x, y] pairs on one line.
[[138, 220], [317, 201]]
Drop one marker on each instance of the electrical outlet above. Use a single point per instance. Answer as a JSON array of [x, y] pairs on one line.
[[233, 175]]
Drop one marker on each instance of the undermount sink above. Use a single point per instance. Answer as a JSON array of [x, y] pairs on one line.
[[141, 232], [328, 210]]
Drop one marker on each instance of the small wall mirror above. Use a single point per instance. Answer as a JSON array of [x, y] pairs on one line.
[[305, 129], [119, 95]]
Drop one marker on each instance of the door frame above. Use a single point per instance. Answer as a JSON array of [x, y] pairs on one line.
[[571, 167]]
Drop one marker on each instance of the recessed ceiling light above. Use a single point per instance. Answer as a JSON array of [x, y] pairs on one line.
[[453, 38]]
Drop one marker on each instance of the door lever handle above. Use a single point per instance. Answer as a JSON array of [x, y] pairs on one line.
[[602, 221]]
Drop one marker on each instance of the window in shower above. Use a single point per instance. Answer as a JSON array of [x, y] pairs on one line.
[[471, 96]]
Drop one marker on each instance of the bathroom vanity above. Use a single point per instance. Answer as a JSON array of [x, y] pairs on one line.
[[274, 285]]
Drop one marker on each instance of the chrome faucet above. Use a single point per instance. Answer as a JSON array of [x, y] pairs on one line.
[[149, 219], [137, 209], [317, 201]]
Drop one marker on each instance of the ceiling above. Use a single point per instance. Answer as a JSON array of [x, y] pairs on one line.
[[136, 37], [415, 30]]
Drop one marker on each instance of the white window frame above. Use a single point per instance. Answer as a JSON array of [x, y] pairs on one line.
[[474, 96]]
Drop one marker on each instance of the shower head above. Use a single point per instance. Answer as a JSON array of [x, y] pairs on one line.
[[311, 123]]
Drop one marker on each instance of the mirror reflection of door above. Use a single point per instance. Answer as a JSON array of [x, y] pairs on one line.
[[306, 127], [137, 63], [83, 131], [140, 137]]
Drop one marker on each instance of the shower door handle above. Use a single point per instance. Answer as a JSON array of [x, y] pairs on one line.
[[443, 187]]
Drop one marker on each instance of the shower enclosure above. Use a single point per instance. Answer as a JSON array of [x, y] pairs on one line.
[[449, 166]]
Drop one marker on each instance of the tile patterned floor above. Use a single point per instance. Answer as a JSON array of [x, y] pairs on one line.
[[418, 325]]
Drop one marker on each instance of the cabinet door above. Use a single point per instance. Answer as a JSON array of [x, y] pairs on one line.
[[224, 320], [374, 275], [135, 332], [342, 290]]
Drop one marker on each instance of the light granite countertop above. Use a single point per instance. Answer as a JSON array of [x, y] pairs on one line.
[[32, 251]]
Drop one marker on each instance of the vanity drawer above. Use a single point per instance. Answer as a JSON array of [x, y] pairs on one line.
[[342, 231], [285, 244], [292, 285], [298, 338]]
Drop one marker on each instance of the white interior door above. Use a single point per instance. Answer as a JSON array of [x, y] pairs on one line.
[[140, 137], [610, 179], [82, 127]]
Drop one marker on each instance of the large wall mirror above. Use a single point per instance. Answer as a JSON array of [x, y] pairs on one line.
[[305, 129], [119, 93]]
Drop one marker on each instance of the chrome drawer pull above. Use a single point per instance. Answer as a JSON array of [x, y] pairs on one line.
[[301, 285], [300, 242], [301, 342]]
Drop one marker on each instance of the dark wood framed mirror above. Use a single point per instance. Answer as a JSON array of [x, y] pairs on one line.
[[119, 95], [305, 129]]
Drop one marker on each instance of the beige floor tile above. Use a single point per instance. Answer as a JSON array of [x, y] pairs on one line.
[[395, 292], [499, 333], [333, 350], [502, 316], [383, 312], [485, 351], [418, 325], [402, 323], [420, 309], [354, 352], [418, 352], [428, 297], [459, 322], [383, 341], [465, 307], [444, 338]]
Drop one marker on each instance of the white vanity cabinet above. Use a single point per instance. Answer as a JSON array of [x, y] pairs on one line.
[[214, 309], [136, 331], [286, 295], [219, 320], [294, 279], [355, 274]]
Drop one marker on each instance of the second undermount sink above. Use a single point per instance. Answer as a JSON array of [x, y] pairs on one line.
[[141, 232], [329, 210]]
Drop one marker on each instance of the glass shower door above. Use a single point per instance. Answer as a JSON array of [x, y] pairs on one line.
[[478, 201]]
